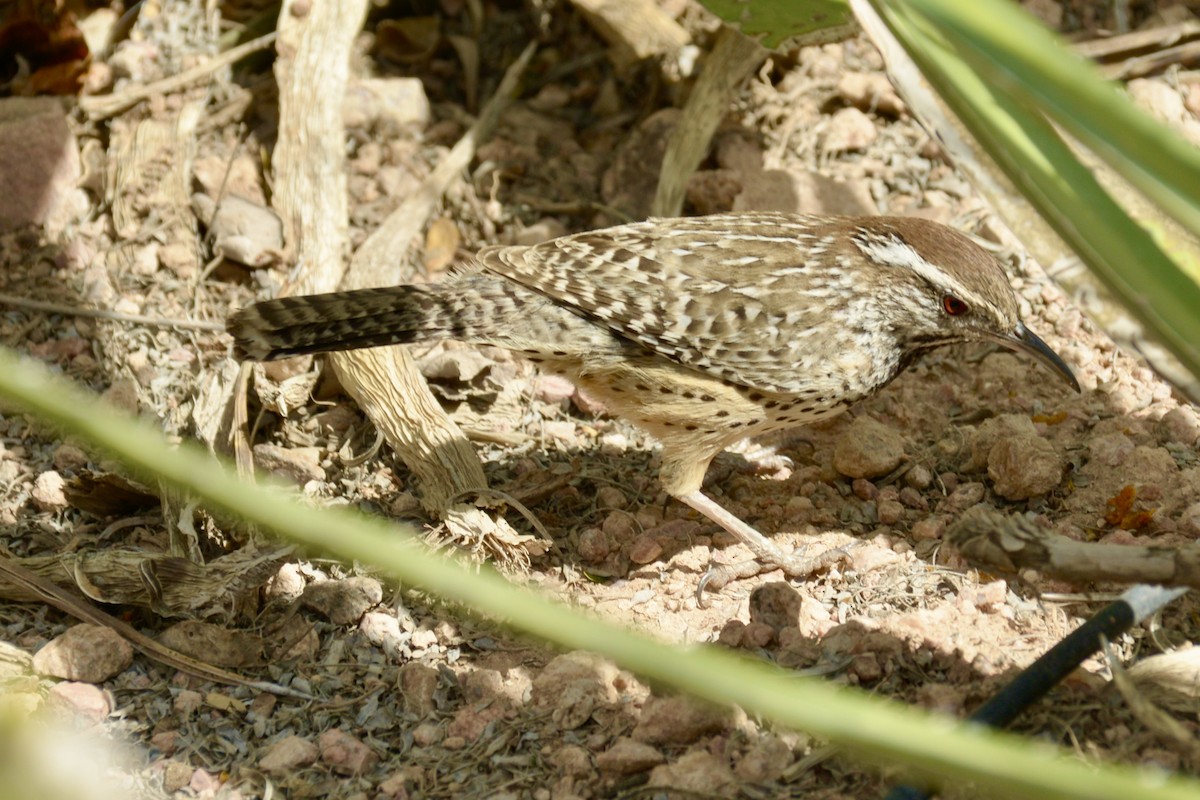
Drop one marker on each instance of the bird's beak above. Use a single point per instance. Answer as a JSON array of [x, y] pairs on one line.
[[1024, 340]]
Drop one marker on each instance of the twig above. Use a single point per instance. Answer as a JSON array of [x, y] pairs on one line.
[[106, 106], [112, 316], [995, 541], [77, 607]]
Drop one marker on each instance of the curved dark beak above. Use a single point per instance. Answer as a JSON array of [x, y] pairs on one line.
[[1024, 340]]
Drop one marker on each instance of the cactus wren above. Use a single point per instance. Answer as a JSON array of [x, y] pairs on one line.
[[702, 331]]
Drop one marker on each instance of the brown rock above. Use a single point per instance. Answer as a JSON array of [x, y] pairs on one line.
[[644, 549], [47, 491], [981, 441], [765, 761], [299, 464], [628, 756], [343, 602], [868, 449], [345, 754], [697, 772], [88, 653], [289, 754], [776, 605], [418, 685], [84, 700], [1024, 467], [679, 720]]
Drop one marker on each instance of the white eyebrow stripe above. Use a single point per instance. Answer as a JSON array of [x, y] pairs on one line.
[[892, 251]]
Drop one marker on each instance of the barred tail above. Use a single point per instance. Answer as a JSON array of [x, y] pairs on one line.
[[464, 309]]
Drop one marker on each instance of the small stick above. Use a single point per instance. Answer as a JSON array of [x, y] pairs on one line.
[[112, 316]]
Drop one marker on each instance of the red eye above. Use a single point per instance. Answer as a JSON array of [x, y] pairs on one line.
[[954, 307]]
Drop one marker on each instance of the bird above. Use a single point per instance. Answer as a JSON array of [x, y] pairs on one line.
[[702, 331]]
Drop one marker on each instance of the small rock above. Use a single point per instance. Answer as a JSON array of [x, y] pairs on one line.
[[287, 584], [679, 720], [765, 761], [865, 668], [390, 104], [343, 602], [39, 159], [849, 129], [88, 653], [913, 499], [344, 754], [564, 670], [593, 546], [299, 464], [868, 449], [176, 775], [614, 444], [427, 734], [383, 631], [1024, 467], [187, 702], [1182, 424], [47, 491], [696, 773], [628, 756], [644, 549], [919, 477], [775, 604], [610, 497], [577, 702], [68, 458], [870, 91], [863, 489], [84, 700], [889, 512], [572, 760], [963, 496], [471, 721], [929, 528], [289, 754], [1189, 521], [418, 686], [981, 441]]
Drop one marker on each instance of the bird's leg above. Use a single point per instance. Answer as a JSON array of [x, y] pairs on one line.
[[767, 555]]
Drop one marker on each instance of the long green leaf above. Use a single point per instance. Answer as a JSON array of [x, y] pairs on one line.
[[1045, 170], [868, 726], [1025, 60]]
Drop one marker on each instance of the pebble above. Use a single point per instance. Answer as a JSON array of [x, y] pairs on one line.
[[679, 720], [1024, 467], [849, 129], [85, 652], [644, 549], [47, 491], [345, 754], [628, 756], [289, 754], [343, 602], [868, 449]]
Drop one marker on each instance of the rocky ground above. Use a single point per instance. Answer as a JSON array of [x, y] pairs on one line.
[[413, 700]]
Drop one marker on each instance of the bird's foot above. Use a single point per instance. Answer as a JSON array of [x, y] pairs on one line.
[[794, 565], [767, 556]]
